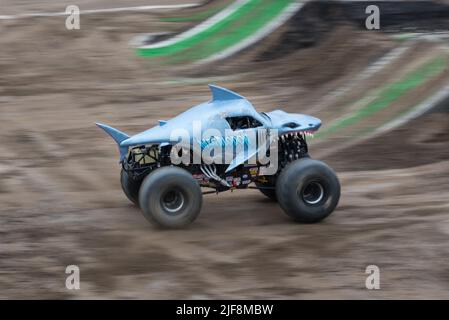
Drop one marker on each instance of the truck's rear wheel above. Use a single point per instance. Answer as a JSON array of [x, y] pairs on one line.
[[130, 187], [268, 190], [170, 197], [308, 190]]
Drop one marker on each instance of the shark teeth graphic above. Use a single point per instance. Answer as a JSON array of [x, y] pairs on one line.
[[285, 136]]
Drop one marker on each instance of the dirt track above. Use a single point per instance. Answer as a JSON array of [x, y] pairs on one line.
[[61, 201]]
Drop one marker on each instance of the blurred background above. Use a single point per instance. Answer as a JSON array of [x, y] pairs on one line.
[[383, 96]]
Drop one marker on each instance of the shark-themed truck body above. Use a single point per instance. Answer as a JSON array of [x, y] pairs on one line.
[[224, 144]]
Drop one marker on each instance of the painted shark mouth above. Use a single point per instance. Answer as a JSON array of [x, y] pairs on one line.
[[291, 134]]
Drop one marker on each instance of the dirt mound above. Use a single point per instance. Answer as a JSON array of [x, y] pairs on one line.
[[421, 141], [318, 20]]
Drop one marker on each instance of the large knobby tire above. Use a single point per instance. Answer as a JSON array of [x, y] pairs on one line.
[[308, 190], [170, 197], [267, 190], [130, 187]]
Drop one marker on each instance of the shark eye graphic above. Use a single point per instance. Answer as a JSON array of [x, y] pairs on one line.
[[291, 125]]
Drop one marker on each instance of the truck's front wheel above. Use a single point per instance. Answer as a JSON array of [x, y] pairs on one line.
[[170, 197], [308, 190]]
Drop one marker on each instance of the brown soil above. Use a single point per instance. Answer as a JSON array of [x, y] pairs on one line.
[[421, 141]]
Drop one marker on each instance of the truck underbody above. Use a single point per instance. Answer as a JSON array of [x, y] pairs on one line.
[[142, 160]]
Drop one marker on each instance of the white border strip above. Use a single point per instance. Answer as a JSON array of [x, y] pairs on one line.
[[262, 33], [110, 10], [223, 14]]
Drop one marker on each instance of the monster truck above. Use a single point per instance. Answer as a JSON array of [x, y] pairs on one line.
[[169, 191]]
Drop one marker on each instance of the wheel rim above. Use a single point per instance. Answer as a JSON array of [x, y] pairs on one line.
[[313, 193], [172, 201]]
